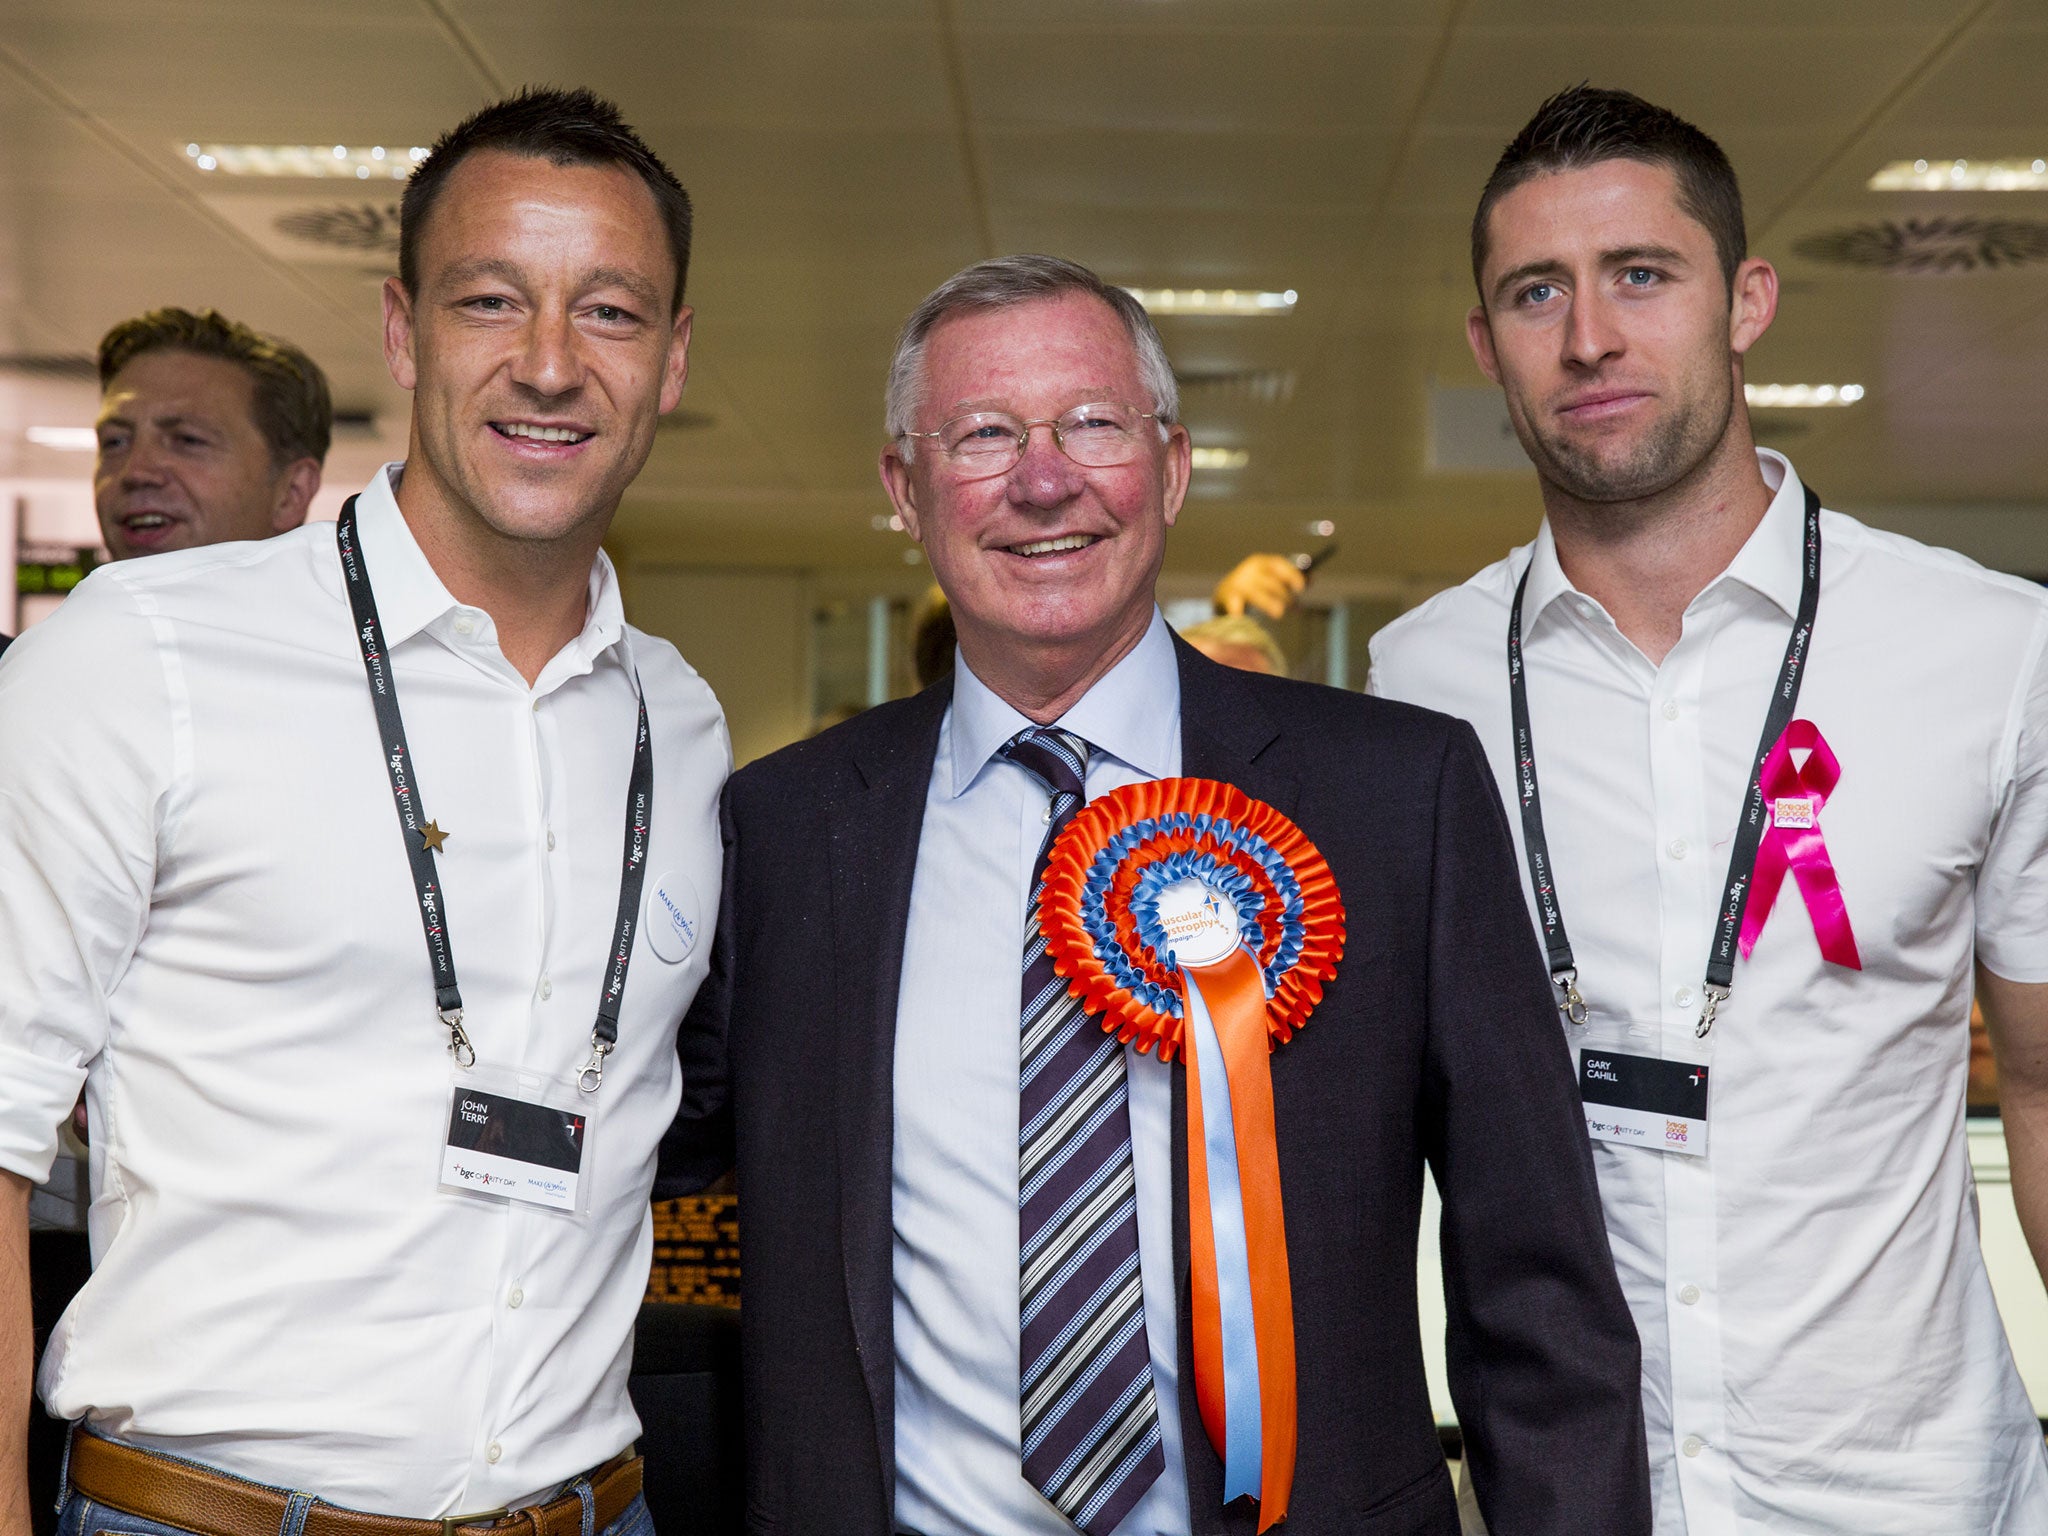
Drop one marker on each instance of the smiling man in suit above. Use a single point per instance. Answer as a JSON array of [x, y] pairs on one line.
[[861, 1032]]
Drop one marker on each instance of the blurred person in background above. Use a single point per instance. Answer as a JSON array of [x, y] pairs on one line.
[[1240, 642], [208, 432]]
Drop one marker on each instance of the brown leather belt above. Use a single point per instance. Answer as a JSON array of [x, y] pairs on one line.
[[215, 1504]]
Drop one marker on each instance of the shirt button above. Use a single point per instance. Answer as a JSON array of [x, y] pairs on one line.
[[1678, 847], [494, 1450], [1585, 610], [551, 839], [518, 1296], [465, 626], [1687, 1294], [547, 989], [1671, 709], [1692, 1445], [1682, 997]]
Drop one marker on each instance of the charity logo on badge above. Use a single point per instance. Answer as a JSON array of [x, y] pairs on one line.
[[672, 917], [1201, 925], [1792, 811]]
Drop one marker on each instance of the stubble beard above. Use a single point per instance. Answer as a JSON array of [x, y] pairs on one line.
[[1664, 454]]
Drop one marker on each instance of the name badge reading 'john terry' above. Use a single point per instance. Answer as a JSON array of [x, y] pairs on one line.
[[511, 1148], [1644, 1101]]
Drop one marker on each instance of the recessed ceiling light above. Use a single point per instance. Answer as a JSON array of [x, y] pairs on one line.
[[1221, 458], [1215, 301], [1802, 396], [65, 439], [318, 162], [1322, 527], [2024, 175]]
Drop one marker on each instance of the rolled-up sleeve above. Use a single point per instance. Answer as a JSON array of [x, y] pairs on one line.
[[2012, 884], [85, 763]]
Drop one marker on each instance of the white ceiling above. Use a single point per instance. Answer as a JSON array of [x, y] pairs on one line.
[[845, 157]]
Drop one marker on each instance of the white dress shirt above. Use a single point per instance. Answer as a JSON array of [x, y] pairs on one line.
[[1821, 1351], [959, 1470], [206, 916]]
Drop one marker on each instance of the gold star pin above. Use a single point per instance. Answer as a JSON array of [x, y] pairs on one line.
[[432, 837]]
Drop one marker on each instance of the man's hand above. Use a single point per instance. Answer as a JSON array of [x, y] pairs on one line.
[[17, 1348], [1269, 583], [2017, 1013]]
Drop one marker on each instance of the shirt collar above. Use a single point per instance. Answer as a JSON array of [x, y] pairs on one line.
[[1771, 560], [1132, 713], [410, 596]]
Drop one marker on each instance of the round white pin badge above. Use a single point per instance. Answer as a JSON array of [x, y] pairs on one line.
[[672, 917]]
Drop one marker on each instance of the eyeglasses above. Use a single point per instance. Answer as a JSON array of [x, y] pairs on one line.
[[986, 443]]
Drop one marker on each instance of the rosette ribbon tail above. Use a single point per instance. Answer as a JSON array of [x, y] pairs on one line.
[[1243, 1321], [1792, 841]]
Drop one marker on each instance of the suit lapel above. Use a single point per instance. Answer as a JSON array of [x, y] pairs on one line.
[[874, 836], [1227, 733]]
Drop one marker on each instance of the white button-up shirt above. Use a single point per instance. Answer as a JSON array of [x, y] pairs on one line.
[[959, 1469], [1821, 1350], [206, 915]]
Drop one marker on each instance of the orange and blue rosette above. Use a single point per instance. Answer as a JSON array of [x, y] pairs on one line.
[[1202, 924]]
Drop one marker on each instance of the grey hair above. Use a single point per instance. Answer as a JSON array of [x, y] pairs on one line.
[[998, 284]]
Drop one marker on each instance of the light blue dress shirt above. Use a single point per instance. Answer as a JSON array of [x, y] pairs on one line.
[[954, 1163]]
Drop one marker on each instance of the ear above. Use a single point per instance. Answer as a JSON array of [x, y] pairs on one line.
[[1180, 458], [677, 368], [398, 334], [1479, 333], [899, 479], [1754, 304], [295, 491]]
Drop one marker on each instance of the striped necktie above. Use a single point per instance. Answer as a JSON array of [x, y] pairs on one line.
[[1090, 1421]]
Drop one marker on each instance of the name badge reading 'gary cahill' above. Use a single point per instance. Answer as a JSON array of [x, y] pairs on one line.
[[1649, 1102]]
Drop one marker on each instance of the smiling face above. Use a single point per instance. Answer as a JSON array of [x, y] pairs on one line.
[[1049, 567], [1608, 323], [182, 462], [540, 349]]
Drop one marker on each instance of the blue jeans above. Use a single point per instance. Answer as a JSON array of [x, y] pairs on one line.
[[79, 1516]]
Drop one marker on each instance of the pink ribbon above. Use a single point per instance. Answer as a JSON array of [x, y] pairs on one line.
[[1792, 801]]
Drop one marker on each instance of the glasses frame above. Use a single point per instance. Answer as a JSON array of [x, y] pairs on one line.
[[1024, 438]]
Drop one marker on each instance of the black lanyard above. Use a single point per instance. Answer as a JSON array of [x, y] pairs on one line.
[[1564, 971], [404, 791]]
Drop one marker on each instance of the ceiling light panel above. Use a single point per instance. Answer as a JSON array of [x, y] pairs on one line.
[[308, 162], [2028, 175], [1801, 396], [1215, 301], [1221, 458]]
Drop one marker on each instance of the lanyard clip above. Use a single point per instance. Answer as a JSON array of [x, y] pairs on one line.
[[458, 1041], [1716, 996], [592, 1076], [1569, 1003]]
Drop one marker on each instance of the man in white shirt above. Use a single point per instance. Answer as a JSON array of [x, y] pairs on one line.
[[1821, 1348], [375, 1094]]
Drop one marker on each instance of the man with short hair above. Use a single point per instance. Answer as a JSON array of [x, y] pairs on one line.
[[325, 861], [208, 431], [967, 1240], [1781, 778]]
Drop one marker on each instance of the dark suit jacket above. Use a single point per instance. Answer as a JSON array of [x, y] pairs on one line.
[[1437, 1041]]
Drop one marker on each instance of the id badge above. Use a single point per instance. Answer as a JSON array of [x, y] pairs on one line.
[[518, 1136], [1634, 1097]]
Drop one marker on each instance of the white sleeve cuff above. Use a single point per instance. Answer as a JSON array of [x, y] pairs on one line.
[[35, 1096]]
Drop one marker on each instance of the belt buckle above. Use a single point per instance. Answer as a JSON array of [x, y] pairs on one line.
[[450, 1524]]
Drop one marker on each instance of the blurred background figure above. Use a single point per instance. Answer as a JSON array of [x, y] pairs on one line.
[[1267, 582], [208, 432], [1238, 641]]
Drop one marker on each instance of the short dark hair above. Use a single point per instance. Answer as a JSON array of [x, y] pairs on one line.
[[1583, 126], [292, 407], [562, 128]]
